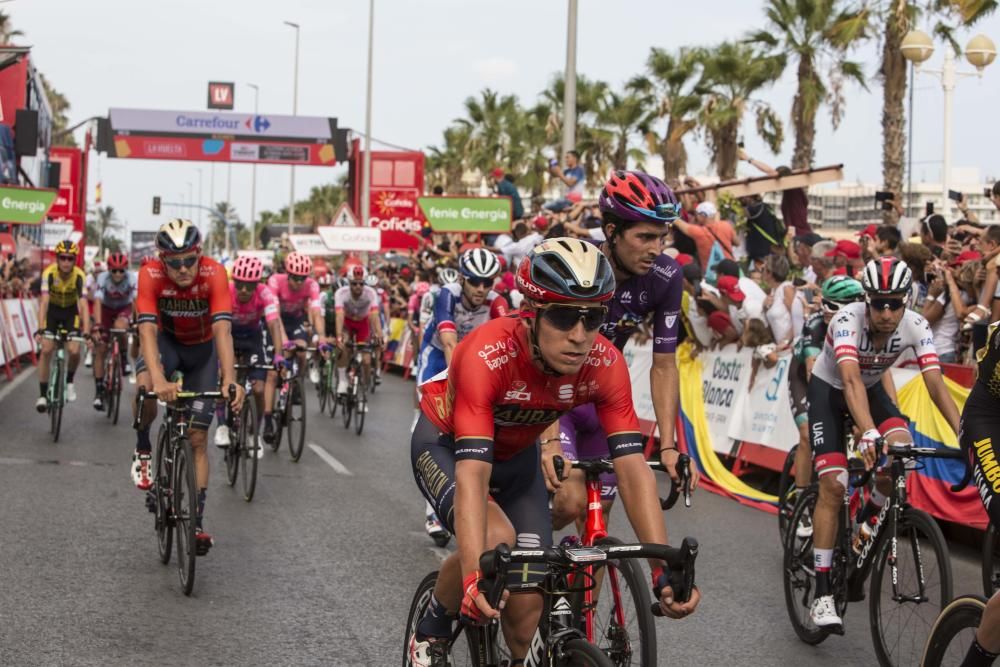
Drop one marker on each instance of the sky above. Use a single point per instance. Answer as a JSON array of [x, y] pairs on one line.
[[428, 57]]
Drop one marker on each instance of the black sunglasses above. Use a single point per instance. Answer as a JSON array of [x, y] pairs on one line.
[[67, 258], [295, 279], [357, 283], [186, 262], [565, 318], [882, 304], [117, 270], [479, 282], [245, 286]]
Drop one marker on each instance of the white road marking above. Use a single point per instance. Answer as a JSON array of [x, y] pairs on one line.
[[13, 384], [330, 461]]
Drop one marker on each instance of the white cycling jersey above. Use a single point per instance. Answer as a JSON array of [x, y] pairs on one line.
[[849, 339]]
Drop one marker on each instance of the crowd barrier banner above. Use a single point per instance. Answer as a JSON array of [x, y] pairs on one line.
[[17, 326]]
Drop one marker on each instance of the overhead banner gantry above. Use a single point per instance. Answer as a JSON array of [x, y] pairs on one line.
[[213, 136]]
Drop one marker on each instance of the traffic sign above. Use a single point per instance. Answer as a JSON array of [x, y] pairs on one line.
[[344, 217]]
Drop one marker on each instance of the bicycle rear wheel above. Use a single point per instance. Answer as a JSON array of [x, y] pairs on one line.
[[799, 574], [580, 652], [281, 418], [163, 512], [323, 388], [991, 561], [58, 389], [185, 498], [623, 627], [954, 631], [360, 408], [234, 450], [296, 418], [459, 655], [903, 612], [249, 446], [348, 407]]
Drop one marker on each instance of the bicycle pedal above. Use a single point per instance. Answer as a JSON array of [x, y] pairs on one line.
[[834, 630]]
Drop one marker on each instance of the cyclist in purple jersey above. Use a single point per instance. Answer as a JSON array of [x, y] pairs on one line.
[[637, 210]]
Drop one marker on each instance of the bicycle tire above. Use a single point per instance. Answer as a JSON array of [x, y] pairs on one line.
[[233, 450], [296, 423], [185, 498], [163, 513], [281, 418], [785, 484], [913, 522], [359, 410], [249, 443], [579, 653], [963, 613], [799, 578], [347, 409], [322, 389], [421, 598], [116, 394], [108, 384], [991, 561], [616, 641], [58, 398]]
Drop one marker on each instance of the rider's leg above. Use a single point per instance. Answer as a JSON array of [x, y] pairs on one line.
[[44, 360], [803, 458], [100, 348], [258, 398], [570, 501], [73, 360], [366, 366], [142, 442], [827, 408], [988, 634]]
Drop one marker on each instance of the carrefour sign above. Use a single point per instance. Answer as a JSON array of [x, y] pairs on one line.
[[164, 122]]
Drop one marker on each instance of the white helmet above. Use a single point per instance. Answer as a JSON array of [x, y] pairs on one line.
[[478, 263], [449, 276], [371, 280]]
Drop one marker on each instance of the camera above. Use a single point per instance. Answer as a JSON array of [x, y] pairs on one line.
[[929, 208], [884, 195], [886, 206], [553, 163], [955, 195]]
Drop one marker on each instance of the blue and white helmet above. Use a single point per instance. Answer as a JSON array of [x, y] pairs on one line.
[[478, 263], [449, 276]]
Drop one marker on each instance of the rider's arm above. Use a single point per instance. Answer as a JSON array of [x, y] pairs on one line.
[[150, 351], [315, 307], [664, 378], [472, 485], [449, 339], [890, 387], [444, 309], [43, 308], [939, 393], [375, 322], [272, 319], [338, 317], [84, 310], [856, 394]]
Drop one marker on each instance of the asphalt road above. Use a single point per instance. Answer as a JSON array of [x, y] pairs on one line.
[[320, 567]]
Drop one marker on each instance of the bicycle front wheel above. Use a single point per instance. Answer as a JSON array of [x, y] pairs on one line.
[[323, 388], [58, 398], [580, 653], [786, 483], [954, 631], [296, 411], [185, 498], [233, 451], [623, 627], [347, 409], [361, 408], [991, 561], [903, 608], [250, 445], [799, 573], [164, 520]]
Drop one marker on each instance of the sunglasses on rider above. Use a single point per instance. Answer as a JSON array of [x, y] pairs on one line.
[[177, 263], [883, 304], [117, 270], [565, 318], [66, 258], [245, 286], [296, 279], [479, 282], [357, 283]]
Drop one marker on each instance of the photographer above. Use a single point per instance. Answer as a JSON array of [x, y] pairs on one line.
[[943, 309], [572, 176]]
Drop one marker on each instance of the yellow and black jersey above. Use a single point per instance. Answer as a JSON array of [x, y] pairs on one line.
[[63, 293]]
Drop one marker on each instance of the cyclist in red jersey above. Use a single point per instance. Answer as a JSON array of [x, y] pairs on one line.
[[186, 297], [474, 449]]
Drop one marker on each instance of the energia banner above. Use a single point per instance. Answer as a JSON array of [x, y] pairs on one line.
[[724, 400]]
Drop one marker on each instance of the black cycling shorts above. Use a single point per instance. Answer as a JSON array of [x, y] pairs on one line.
[[798, 387], [979, 426], [200, 366], [252, 350], [516, 486], [57, 317], [295, 327], [827, 414]]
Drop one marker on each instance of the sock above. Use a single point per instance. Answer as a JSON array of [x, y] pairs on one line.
[[436, 621], [823, 560], [978, 656], [142, 444], [98, 384], [201, 506], [69, 376], [43, 389]]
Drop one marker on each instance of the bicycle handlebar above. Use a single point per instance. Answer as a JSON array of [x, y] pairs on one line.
[[597, 466]]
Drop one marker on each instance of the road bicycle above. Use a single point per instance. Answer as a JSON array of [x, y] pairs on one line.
[[244, 438], [906, 556], [174, 493], [954, 632], [355, 402], [290, 408], [56, 394], [113, 373], [991, 561], [326, 390], [558, 641], [619, 622]]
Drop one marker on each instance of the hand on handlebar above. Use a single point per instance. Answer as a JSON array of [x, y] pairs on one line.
[[669, 458], [475, 608], [165, 390], [665, 594], [551, 450], [236, 395], [279, 361], [868, 447]]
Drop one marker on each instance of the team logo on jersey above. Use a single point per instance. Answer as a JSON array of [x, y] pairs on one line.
[[670, 320], [566, 392], [516, 415], [626, 297], [517, 391], [644, 297]]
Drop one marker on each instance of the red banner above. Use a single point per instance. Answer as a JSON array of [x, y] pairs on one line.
[[67, 202], [223, 150], [396, 213]]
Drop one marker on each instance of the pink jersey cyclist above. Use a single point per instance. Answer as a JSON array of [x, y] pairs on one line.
[[294, 304], [247, 316]]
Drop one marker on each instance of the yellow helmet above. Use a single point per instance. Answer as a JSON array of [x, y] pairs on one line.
[[67, 248]]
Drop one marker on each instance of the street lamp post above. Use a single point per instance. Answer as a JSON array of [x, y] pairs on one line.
[[253, 178], [917, 47], [569, 87], [295, 112], [366, 176]]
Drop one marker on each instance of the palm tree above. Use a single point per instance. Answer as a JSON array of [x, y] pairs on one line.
[[224, 218], [60, 120], [322, 204], [530, 132], [898, 17], [817, 34], [620, 116], [670, 82], [594, 146], [446, 164], [486, 122], [6, 29], [731, 74], [99, 229]]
